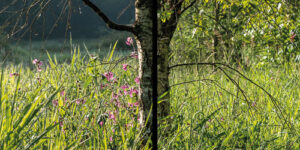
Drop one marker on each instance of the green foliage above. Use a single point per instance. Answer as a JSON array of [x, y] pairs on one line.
[[211, 113], [238, 32]]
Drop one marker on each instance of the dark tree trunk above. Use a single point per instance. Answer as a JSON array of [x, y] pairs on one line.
[[216, 32]]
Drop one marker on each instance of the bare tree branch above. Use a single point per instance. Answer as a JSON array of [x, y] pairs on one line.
[[6, 7], [125, 9], [108, 22]]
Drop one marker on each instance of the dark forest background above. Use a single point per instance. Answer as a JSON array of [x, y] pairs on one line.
[[28, 30], [54, 22]]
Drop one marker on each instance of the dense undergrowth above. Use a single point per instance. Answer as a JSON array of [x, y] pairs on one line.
[[220, 109], [90, 103], [83, 104]]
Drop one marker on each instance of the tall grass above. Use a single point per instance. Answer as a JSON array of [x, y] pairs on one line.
[[212, 113], [81, 104], [75, 105], [24, 51]]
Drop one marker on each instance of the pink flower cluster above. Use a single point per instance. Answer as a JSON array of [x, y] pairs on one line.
[[13, 74], [38, 64], [124, 87], [55, 102], [132, 91], [137, 80], [110, 76], [133, 104], [129, 41], [125, 67], [80, 101], [101, 123], [112, 116], [62, 93]]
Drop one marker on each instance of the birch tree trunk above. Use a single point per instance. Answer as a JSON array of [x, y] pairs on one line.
[[143, 36]]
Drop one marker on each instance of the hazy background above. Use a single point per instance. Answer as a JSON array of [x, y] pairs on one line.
[[28, 30]]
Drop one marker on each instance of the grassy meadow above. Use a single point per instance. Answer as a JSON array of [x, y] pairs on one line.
[[81, 99]]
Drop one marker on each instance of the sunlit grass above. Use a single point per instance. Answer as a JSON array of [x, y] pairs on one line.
[[211, 113], [78, 104], [70, 105]]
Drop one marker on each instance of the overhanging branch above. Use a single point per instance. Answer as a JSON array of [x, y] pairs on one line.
[[280, 111], [108, 22]]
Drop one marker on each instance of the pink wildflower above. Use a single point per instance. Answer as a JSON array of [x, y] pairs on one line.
[[133, 90], [130, 104], [125, 92], [137, 80], [80, 101], [115, 80], [111, 116], [109, 76], [62, 93], [38, 64], [101, 123], [125, 67], [39, 69], [115, 96], [129, 41], [61, 123], [134, 55], [124, 87], [102, 86], [139, 117], [13, 74], [35, 61], [77, 101], [111, 139], [136, 104], [55, 102]]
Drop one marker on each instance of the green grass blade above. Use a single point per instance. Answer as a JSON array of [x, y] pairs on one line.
[[40, 136], [112, 51]]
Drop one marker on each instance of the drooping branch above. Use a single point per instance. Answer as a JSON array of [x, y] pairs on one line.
[[281, 113], [108, 22]]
